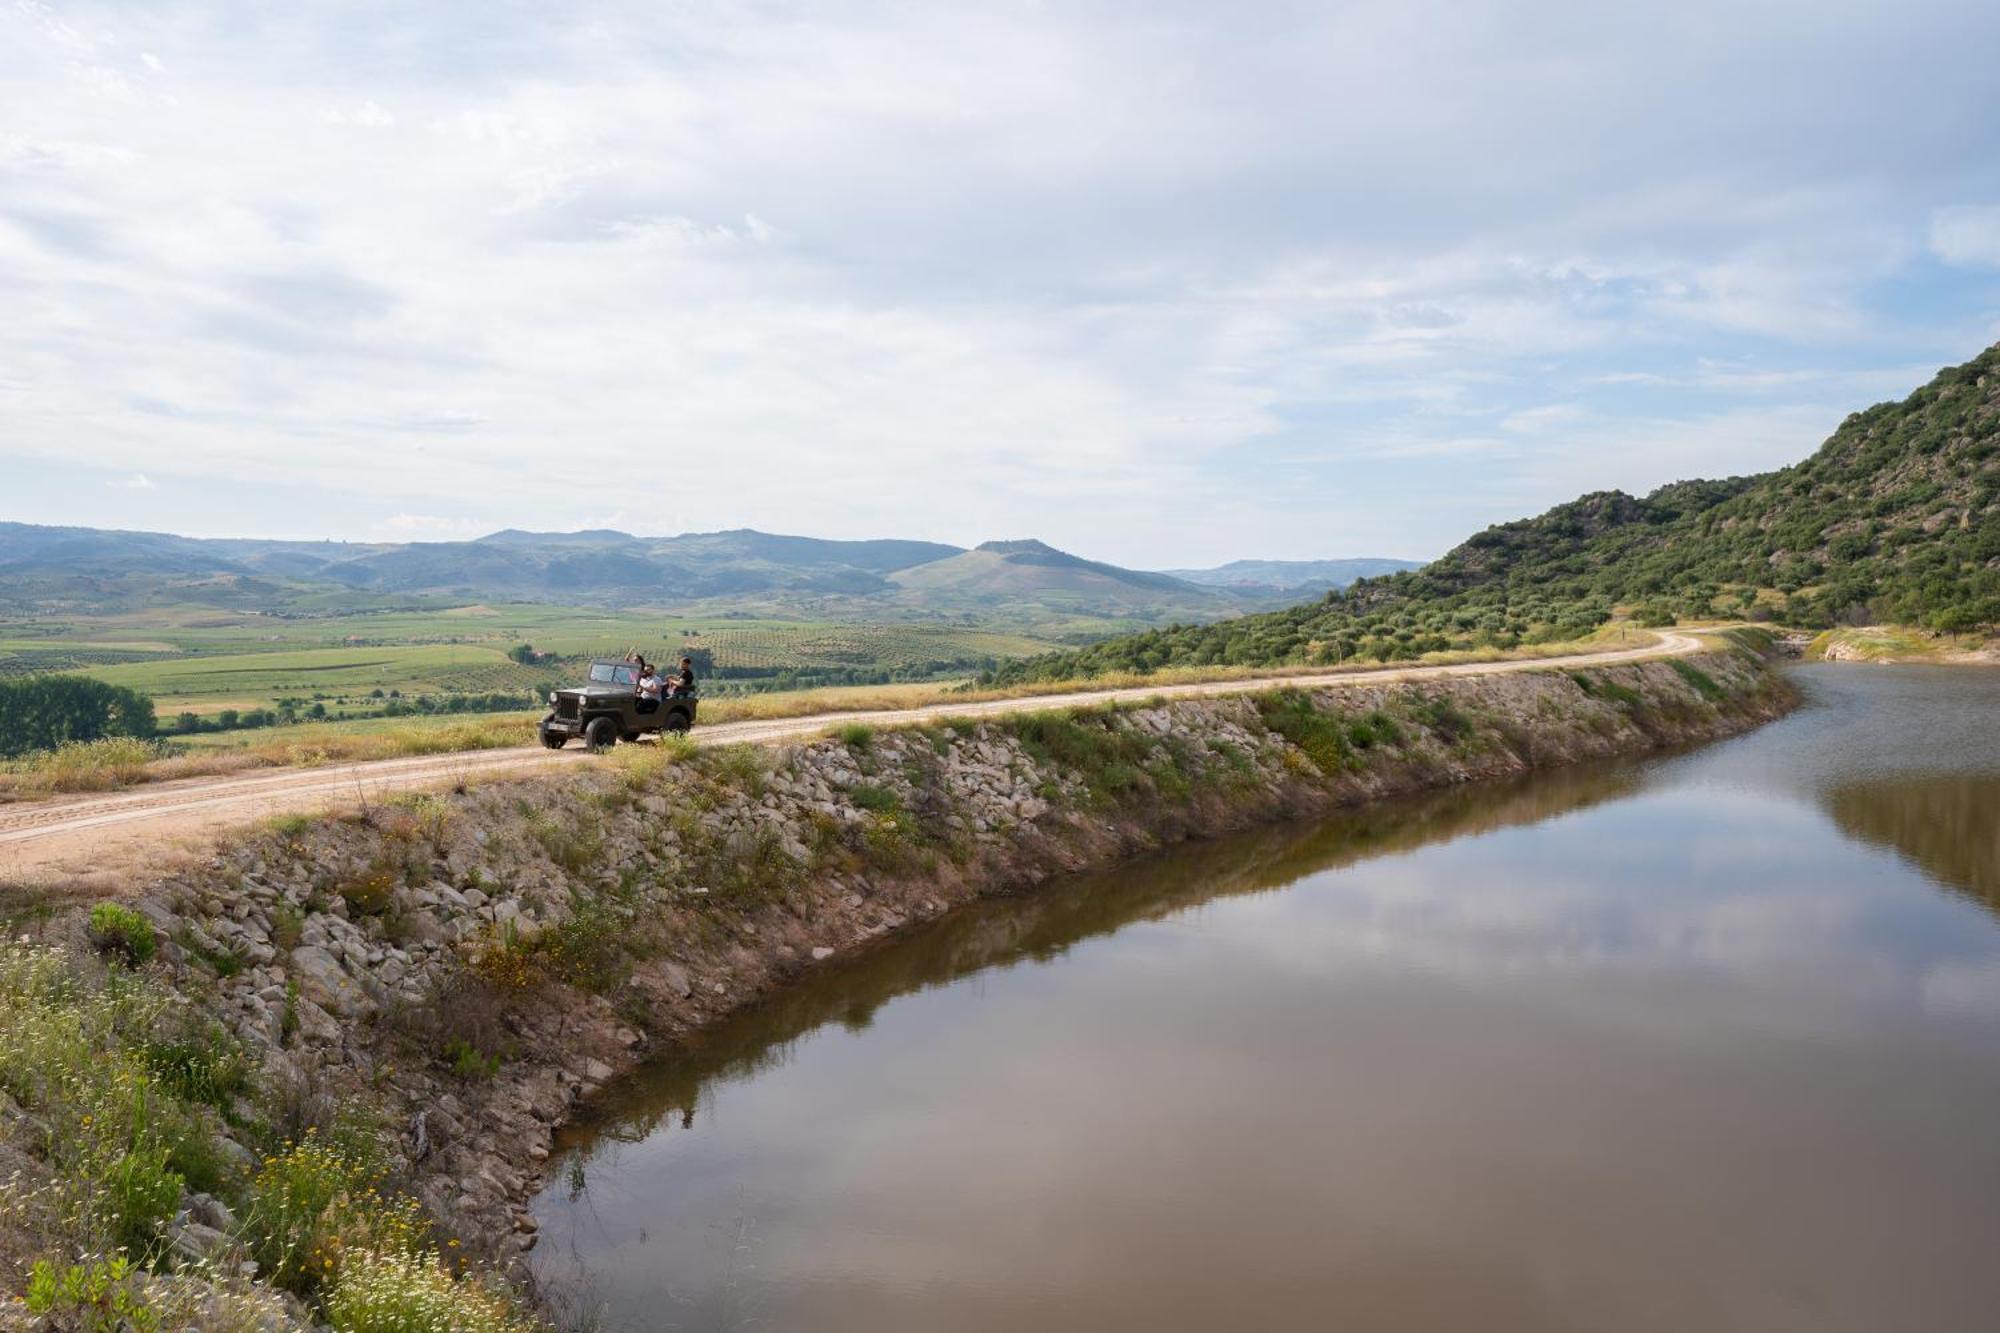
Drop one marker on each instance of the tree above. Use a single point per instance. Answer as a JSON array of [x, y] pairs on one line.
[[42, 712]]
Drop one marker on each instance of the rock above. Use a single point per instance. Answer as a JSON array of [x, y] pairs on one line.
[[677, 979], [322, 981], [198, 1243], [821, 953], [597, 1071], [211, 1212]]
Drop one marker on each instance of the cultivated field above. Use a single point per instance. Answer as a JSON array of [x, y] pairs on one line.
[[202, 661]]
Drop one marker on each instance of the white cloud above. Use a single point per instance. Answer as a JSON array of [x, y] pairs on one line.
[[137, 481], [366, 114], [1160, 286], [1967, 235], [432, 528]]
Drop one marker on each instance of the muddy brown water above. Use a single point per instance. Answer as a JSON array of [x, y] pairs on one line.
[[1708, 1042]]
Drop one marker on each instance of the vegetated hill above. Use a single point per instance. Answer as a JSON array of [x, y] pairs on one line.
[[614, 567], [1014, 573], [1022, 585], [1258, 577], [1895, 519]]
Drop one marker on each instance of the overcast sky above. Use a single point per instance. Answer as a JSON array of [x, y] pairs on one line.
[[1163, 284]]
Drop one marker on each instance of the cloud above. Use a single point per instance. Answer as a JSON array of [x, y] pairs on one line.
[[138, 481], [366, 114], [432, 527], [1164, 287], [1967, 235]]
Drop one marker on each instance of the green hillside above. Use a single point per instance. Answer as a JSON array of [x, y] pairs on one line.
[[1895, 519]]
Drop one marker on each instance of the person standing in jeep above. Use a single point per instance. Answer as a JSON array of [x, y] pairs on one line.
[[684, 683]]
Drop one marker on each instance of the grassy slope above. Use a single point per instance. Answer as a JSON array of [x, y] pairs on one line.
[[1895, 518]]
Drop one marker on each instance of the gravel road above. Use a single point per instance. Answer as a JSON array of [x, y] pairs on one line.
[[90, 838]]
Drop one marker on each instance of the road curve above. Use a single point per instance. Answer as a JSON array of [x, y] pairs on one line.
[[123, 833]]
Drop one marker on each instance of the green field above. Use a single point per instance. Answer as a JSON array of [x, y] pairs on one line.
[[202, 661]]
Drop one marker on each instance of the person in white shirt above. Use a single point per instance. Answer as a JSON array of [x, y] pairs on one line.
[[649, 688]]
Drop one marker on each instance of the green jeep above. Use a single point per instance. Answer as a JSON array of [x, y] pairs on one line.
[[609, 710]]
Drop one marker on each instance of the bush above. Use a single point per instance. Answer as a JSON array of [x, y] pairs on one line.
[[117, 929], [372, 888], [141, 1193], [855, 735], [876, 800], [316, 1202], [410, 1292], [44, 712], [199, 1064], [1292, 714], [96, 1296]]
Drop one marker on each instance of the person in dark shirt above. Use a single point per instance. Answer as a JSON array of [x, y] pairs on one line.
[[684, 683]]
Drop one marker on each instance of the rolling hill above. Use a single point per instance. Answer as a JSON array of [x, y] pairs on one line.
[[1015, 584], [1261, 577], [1896, 518]]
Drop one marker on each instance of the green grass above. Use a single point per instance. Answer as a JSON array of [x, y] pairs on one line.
[[205, 684], [1704, 684]]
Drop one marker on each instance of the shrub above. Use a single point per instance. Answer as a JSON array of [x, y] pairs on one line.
[[316, 1202], [372, 888], [1442, 717], [855, 735], [117, 929], [468, 1061], [96, 1296], [1377, 728], [877, 800], [1292, 714], [410, 1292], [201, 1063], [586, 949], [574, 842], [140, 1194], [288, 924]]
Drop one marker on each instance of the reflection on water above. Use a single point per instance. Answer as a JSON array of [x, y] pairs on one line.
[[1949, 827], [1044, 925], [1688, 1044]]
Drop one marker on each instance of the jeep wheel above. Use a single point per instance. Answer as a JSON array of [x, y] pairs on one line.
[[678, 723], [555, 740], [601, 734]]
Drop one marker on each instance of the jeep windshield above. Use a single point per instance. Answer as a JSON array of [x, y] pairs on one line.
[[613, 673]]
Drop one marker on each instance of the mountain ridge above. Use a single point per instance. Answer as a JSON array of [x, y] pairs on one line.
[[83, 570]]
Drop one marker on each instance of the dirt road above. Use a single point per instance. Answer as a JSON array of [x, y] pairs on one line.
[[95, 839]]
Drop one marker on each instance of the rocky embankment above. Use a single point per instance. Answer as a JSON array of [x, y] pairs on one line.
[[459, 970]]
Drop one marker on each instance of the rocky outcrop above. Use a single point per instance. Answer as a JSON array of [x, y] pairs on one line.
[[469, 966]]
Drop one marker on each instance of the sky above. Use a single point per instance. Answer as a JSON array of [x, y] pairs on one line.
[[1165, 284]]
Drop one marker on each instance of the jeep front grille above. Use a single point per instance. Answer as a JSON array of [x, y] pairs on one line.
[[566, 705]]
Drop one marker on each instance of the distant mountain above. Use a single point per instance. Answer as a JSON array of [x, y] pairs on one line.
[[616, 567], [1018, 574], [45, 569], [1895, 519], [1290, 576]]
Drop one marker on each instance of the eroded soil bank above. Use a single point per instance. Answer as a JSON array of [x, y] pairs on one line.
[[457, 971]]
